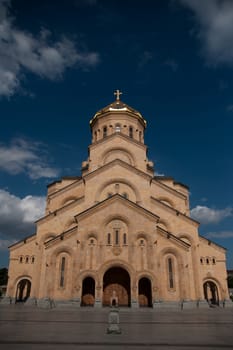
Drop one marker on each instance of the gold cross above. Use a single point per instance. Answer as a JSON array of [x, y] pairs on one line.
[[117, 93]]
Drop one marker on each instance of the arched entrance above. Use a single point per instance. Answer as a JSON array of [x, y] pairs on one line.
[[211, 292], [88, 292], [144, 292], [116, 283], [23, 290]]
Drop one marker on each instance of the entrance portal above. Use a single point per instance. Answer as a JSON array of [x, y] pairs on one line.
[[23, 290], [211, 293], [144, 292], [116, 282], [88, 292]]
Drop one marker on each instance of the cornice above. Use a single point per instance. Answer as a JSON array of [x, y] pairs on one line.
[[64, 178], [120, 162], [176, 212], [103, 113], [59, 210], [116, 135], [112, 199], [169, 189], [73, 184], [209, 242], [23, 241], [173, 237], [60, 237]]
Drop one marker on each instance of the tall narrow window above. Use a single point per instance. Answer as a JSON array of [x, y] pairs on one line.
[[124, 239], [105, 131], [109, 238], [62, 276], [170, 273], [118, 128], [116, 237], [140, 136], [131, 132]]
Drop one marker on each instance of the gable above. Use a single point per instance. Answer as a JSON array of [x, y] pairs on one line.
[[117, 206]]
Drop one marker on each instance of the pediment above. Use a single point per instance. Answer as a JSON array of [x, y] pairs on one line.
[[61, 237], [115, 163], [175, 212], [119, 205], [173, 238]]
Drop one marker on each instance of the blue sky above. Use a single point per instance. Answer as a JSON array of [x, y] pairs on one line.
[[61, 61]]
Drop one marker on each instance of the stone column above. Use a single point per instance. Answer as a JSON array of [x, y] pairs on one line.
[[98, 295]]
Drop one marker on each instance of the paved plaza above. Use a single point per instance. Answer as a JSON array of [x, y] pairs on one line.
[[23, 328]]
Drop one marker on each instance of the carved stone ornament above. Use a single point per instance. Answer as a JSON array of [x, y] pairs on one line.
[[116, 250]]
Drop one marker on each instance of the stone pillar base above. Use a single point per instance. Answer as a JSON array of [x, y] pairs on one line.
[[46, 303], [134, 304], [31, 302], [98, 303], [113, 322], [194, 304], [202, 304], [226, 303], [7, 300]]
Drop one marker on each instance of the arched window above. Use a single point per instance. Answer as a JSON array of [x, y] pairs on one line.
[[170, 273], [214, 261], [27, 259], [207, 261], [124, 238], [109, 238], [131, 132], [21, 259], [117, 128], [105, 131], [116, 237], [142, 242], [62, 272], [32, 259]]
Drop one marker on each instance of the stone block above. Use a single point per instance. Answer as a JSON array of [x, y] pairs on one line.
[[113, 322]]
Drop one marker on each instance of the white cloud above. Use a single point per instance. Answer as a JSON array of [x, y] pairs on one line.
[[221, 234], [230, 108], [20, 52], [207, 215], [22, 156], [144, 59], [17, 216], [171, 64], [5, 243], [214, 28]]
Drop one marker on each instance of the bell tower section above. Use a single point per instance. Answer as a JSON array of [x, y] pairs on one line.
[[118, 133]]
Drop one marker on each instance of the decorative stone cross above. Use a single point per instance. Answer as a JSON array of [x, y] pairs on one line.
[[117, 93]]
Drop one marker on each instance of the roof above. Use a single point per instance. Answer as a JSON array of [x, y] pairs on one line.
[[118, 106]]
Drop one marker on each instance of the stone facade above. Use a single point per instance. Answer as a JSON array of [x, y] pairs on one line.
[[118, 232]]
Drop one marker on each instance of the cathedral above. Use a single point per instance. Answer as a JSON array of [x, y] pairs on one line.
[[117, 234]]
